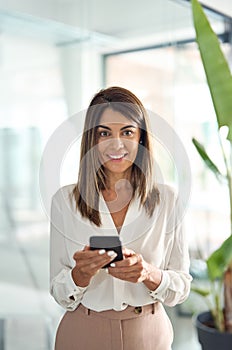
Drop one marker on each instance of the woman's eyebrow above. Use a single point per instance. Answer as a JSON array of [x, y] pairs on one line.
[[124, 127], [128, 126], [103, 127]]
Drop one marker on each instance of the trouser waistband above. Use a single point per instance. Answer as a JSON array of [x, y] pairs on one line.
[[129, 312]]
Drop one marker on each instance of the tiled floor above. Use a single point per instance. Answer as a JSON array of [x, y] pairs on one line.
[[28, 314]]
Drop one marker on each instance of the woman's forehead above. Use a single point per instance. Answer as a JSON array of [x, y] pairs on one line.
[[110, 116]]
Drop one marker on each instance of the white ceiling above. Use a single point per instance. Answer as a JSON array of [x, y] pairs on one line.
[[125, 21]]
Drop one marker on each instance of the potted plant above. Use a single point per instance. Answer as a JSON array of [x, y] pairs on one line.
[[215, 326]]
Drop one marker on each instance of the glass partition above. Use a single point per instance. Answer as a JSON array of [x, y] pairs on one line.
[[171, 82]]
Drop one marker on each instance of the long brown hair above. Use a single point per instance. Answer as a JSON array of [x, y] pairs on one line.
[[91, 177]]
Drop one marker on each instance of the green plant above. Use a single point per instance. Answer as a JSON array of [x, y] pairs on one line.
[[219, 79]]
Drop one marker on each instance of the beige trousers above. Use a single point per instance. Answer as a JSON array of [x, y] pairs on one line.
[[145, 328]]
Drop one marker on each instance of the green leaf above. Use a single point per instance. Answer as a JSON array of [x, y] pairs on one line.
[[208, 161], [220, 260], [200, 291], [216, 68]]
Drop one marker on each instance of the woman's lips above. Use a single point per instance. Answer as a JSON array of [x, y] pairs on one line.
[[116, 157]]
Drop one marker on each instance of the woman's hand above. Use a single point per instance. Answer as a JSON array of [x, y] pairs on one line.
[[88, 263], [133, 268]]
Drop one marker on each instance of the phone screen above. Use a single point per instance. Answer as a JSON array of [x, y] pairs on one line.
[[107, 243]]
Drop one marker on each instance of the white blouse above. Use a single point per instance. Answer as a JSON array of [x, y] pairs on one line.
[[160, 239]]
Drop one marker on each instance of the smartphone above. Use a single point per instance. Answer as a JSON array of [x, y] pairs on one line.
[[107, 243]]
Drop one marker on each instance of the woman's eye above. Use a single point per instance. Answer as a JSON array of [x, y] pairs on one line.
[[128, 133], [103, 133]]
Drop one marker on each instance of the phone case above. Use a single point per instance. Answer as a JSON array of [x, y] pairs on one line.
[[107, 243]]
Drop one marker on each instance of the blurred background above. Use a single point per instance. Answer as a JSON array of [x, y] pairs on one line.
[[54, 55]]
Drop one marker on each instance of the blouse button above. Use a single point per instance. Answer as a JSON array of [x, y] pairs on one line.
[[138, 310]]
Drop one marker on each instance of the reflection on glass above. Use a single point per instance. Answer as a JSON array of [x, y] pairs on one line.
[[32, 105]]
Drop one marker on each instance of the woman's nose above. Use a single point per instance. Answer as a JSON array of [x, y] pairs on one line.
[[116, 143]]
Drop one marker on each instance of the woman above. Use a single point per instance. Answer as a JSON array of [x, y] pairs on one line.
[[119, 307]]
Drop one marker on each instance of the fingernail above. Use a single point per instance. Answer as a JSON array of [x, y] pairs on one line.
[[111, 253], [112, 265], [106, 270], [101, 252]]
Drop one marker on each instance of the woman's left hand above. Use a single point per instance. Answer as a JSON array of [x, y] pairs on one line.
[[133, 268]]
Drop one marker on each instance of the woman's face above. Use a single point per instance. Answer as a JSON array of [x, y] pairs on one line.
[[118, 141]]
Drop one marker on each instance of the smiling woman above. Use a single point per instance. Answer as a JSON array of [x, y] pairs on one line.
[[116, 125], [121, 306]]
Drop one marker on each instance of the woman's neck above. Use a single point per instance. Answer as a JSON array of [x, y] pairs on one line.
[[118, 182], [118, 192]]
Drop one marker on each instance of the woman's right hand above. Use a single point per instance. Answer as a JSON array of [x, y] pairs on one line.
[[88, 263]]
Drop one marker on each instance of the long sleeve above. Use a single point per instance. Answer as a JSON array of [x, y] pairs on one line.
[[176, 280], [62, 286]]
